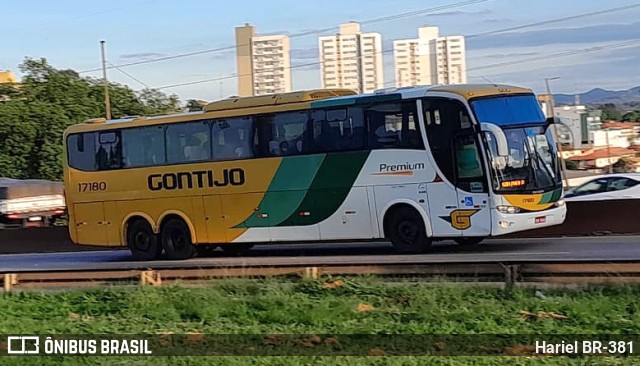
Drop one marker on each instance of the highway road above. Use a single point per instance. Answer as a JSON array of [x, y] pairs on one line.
[[608, 248]]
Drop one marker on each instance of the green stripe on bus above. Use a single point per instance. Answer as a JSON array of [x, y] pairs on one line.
[[551, 196], [329, 188], [287, 189]]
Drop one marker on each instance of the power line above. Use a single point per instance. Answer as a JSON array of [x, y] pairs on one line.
[[599, 12], [556, 20], [130, 76], [556, 55], [482, 67], [301, 34]]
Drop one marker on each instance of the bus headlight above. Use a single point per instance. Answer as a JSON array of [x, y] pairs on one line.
[[508, 209], [560, 203]]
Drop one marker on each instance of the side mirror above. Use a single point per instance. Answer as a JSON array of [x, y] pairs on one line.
[[501, 139]]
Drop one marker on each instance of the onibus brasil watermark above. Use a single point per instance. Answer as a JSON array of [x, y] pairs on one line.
[[31, 345]]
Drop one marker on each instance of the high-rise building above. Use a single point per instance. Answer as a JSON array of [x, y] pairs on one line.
[[352, 59], [263, 63], [430, 59], [271, 65]]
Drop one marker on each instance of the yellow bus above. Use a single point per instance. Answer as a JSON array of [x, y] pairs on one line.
[[411, 165]]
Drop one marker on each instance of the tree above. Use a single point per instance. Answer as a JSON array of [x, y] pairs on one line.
[[194, 105], [633, 116], [34, 115], [610, 112]]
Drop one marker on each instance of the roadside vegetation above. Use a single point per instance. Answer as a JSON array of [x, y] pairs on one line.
[[330, 306]]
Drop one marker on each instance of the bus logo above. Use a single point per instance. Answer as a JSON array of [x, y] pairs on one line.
[[398, 169], [197, 179], [460, 219]]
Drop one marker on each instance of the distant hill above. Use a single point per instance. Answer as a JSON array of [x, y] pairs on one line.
[[601, 96]]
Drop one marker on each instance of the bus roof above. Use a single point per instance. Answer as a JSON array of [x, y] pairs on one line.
[[467, 91], [224, 108], [276, 99], [316, 98]]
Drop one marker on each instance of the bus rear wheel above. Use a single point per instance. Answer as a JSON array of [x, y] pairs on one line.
[[405, 228], [175, 238], [469, 241], [142, 241]]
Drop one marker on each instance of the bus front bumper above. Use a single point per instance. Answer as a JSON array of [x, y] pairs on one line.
[[505, 223]]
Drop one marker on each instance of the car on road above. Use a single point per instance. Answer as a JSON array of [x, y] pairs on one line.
[[607, 187]]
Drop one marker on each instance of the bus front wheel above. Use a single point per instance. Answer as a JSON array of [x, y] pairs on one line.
[[142, 241], [405, 228], [175, 238]]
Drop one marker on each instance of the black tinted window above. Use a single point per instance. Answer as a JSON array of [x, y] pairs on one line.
[[233, 138], [444, 118], [188, 142], [283, 134], [143, 146], [394, 126], [108, 152], [81, 149], [338, 129]]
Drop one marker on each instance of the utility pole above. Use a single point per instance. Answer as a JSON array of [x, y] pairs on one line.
[[107, 103], [563, 166]]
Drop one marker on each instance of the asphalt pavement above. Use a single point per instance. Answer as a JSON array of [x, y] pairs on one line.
[[585, 249]]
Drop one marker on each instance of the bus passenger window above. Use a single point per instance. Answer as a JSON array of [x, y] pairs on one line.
[[187, 142], [338, 129], [233, 138], [143, 146], [109, 151], [283, 134], [81, 151], [394, 126]]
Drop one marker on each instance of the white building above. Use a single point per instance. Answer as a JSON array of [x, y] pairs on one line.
[[352, 59], [263, 62], [271, 64], [430, 59]]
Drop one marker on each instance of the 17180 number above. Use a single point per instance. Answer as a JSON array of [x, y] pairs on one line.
[[92, 186]]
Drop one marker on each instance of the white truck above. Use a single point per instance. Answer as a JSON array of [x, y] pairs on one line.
[[30, 203]]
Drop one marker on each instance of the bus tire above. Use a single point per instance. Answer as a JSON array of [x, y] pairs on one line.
[[236, 248], [142, 241], [175, 238], [406, 230], [469, 241]]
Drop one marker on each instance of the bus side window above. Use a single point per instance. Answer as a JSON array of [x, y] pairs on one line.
[[109, 150], [233, 138], [81, 151], [339, 129], [188, 142], [143, 146], [394, 126], [283, 134]]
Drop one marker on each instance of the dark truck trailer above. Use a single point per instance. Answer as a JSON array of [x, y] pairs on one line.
[[30, 203]]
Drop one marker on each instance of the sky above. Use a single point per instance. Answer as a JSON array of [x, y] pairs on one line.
[[67, 34]]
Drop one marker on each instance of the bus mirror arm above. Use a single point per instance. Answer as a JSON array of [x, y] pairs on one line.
[[501, 139]]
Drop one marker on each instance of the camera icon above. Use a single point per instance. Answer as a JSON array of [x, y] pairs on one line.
[[23, 345]]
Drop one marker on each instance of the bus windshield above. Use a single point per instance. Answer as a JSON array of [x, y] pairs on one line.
[[532, 164]]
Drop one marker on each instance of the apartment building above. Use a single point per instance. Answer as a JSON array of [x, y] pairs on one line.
[[263, 62], [430, 59], [352, 59]]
